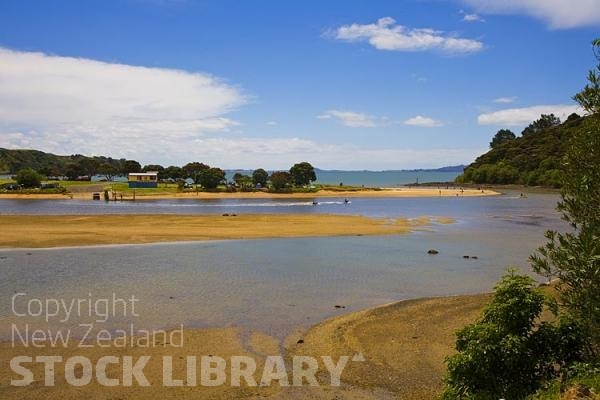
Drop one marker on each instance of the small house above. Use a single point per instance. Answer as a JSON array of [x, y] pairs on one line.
[[139, 180]]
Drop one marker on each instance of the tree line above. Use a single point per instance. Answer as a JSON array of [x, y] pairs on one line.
[[534, 158], [83, 168]]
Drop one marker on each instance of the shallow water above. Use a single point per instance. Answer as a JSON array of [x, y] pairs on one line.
[[276, 285]]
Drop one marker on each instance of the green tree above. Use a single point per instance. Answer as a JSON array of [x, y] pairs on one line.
[[74, 171], [544, 122], [109, 171], [28, 178], [260, 176], [502, 136], [89, 166], [303, 173], [280, 180], [153, 167], [172, 172], [243, 181], [574, 257], [506, 354], [193, 170], [130, 166], [211, 178], [589, 97]]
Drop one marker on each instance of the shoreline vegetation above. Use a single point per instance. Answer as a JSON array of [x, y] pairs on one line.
[[144, 194], [43, 231], [404, 345]]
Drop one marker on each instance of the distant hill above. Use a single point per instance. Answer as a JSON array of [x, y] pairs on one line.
[[13, 160], [46, 163], [452, 168], [533, 159]]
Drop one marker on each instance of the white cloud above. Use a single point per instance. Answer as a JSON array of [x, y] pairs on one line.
[[353, 119], [386, 35], [524, 116], [424, 122], [67, 104], [70, 105], [558, 14], [272, 123], [505, 100], [473, 18]]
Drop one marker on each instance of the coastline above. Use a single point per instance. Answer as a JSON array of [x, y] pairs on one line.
[[384, 192], [44, 231]]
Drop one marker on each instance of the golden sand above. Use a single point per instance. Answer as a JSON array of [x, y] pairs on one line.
[[76, 230], [404, 345], [387, 192]]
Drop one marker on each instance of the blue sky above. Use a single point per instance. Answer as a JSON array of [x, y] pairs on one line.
[[247, 84]]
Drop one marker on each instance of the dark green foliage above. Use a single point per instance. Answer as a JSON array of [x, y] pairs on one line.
[[73, 171], [153, 167], [52, 165], [210, 178], [14, 160], [280, 180], [28, 178], [546, 121], [193, 170], [131, 166], [534, 159], [172, 172], [506, 354], [502, 136], [108, 171], [88, 166], [303, 173], [260, 176], [244, 182]]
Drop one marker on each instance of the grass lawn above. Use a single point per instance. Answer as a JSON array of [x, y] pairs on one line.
[[123, 187]]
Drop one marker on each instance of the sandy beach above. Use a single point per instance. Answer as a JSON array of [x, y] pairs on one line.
[[404, 345], [37, 231], [386, 192]]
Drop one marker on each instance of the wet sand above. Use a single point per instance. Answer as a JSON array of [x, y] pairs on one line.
[[387, 192], [404, 345], [37, 231]]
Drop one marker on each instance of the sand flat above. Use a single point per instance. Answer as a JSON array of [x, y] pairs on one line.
[[39, 231], [386, 192], [404, 345]]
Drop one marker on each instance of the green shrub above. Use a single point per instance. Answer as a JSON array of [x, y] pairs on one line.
[[506, 353]]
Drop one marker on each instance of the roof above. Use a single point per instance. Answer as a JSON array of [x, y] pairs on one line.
[[143, 173]]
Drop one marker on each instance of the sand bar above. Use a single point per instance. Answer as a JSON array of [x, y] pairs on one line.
[[387, 192], [76, 230]]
